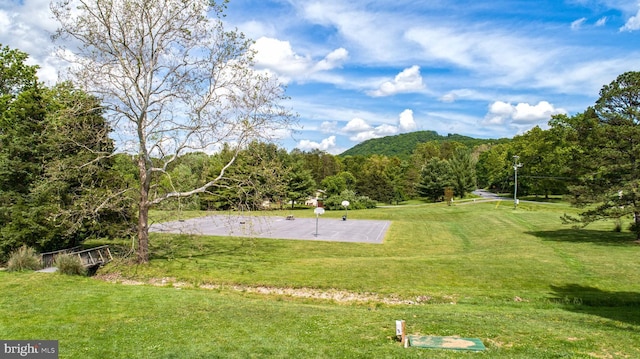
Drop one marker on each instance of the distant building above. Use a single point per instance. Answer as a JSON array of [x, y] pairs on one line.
[[316, 200]]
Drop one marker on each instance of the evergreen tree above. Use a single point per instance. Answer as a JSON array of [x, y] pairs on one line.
[[463, 171], [55, 159], [435, 177], [300, 183], [606, 154]]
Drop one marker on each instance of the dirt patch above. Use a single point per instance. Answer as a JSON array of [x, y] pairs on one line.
[[340, 296]]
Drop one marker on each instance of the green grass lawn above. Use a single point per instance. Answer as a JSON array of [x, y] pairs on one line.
[[526, 285]]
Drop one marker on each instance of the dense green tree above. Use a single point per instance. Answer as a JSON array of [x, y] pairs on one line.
[[15, 75], [260, 175], [424, 152], [320, 163], [544, 157], [449, 149], [463, 171], [336, 184], [494, 168], [606, 153], [396, 172], [300, 183], [350, 180], [435, 177], [375, 181], [354, 164], [22, 156], [80, 186], [410, 177], [56, 181], [333, 185]]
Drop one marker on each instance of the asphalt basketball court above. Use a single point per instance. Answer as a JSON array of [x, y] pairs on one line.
[[324, 229]]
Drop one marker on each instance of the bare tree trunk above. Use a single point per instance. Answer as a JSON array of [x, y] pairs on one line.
[[143, 234], [143, 213]]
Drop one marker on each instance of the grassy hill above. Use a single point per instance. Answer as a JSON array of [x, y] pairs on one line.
[[519, 280], [402, 145]]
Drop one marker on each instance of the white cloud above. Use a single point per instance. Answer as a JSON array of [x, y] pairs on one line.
[[523, 113], [526, 113], [372, 34], [333, 60], [380, 131], [633, 23], [26, 26], [467, 94], [325, 145], [356, 125], [386, 130], [498, 113], [499, 56], [329, 126], [578, 23], [278, 56], [588, 77], [5, 21], [406, 121], [409, 80], [255, 29], [359, 130], [449, 97]]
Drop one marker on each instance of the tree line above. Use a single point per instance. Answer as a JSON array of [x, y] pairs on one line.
[[62, 180]]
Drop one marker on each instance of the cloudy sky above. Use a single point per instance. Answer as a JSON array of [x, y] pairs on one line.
[[361, 69]]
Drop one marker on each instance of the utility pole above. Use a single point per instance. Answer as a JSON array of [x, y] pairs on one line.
[[516, 165]]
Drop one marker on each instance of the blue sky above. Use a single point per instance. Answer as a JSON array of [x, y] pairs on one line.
[[362, 69]]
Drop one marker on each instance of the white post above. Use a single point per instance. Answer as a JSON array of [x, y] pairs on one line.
[[401, 332], [318, 211], [516, 165]]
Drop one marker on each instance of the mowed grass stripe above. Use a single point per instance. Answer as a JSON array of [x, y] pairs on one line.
[[426, 246]]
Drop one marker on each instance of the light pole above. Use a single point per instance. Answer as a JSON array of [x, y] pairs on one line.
[[516, 165]]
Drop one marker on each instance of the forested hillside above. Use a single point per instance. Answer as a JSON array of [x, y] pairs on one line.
[[402, 145]]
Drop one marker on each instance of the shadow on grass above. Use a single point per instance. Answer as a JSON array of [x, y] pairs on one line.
[[621, 306], [606, 238]]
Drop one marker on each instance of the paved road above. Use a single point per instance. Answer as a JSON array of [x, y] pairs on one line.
[[328, 229], [488, 195]]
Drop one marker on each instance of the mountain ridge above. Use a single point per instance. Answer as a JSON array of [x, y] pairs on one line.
[[402, 145]]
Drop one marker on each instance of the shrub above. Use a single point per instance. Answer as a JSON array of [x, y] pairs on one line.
[[70, 265], [618, 226], [25, 258], [355, 202]]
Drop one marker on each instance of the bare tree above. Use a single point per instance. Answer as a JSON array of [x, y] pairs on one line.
[[172, 80]]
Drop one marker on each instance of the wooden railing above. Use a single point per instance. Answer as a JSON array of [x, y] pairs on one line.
[[89, 257], [94, 256]]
